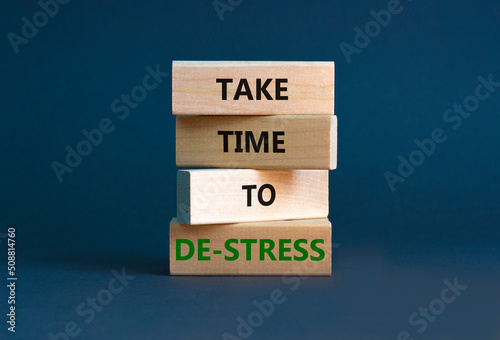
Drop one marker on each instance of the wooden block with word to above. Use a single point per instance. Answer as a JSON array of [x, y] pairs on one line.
[[242, 195], [252, 87], [299, 247], [258, 142]]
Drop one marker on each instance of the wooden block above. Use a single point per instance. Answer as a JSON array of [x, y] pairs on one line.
[[258, 142], [252, 87], [300, 247], [243, 195]]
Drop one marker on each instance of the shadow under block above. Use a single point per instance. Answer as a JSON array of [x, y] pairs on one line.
[[299, 247], [242, 195], [252, 88], [258, 142]]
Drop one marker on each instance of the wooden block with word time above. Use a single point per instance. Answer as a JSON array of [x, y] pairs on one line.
[[258, 142], [297, 247], [252, 88], [242, 195]]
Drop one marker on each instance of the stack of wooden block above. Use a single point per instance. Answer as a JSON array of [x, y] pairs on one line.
[[268, 133]]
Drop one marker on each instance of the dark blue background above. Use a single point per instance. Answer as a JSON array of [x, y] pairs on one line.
[[113, 210]]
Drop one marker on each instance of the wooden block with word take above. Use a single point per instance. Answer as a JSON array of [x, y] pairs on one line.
[[298, 247], [252, 87], [242, 195], [258, 142]]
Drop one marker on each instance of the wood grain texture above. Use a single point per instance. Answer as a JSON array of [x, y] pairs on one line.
[[288, 259], [309, 142], [217, 196], [309, 87]]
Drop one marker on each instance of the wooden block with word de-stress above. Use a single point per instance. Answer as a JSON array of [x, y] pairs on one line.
[[242, 195], [252, 87], [297, 247], [257, 142]]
